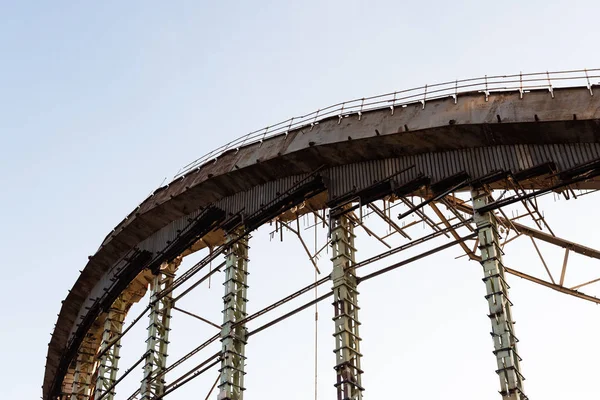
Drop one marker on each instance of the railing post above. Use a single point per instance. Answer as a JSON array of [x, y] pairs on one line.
[[109, 362], [233, 335], [347, 339], [503, 332], [153, 383]]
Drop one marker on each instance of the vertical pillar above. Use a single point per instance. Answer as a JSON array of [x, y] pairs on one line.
[[347, 339], [503, 333], [109, 362], [153, 383], [233, 335], [84, 369]]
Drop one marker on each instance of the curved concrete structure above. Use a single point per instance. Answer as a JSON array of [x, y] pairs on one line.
[[473, 136]]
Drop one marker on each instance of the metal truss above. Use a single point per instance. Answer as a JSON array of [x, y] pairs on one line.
[[447, 217], [345, 303], [84, 368], [153, 385], [505, 341], [109, 361], [233, 330]]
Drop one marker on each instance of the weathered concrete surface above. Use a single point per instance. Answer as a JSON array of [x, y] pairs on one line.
[[572, 116]]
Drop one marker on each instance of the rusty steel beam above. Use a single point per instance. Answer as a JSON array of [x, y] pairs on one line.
[[554, 286], [525, 230]]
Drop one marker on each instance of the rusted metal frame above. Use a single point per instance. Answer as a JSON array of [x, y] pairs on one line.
[[421, 214], [542, 259], [507, 222], [108, 362], [213, 387], [585, 284], [197, 267], [197, 317], [293, 197], [508, 240], [589, 191], [346, 321], [299, 236], [234, 336], [180, 361], [388, 220], [123, 376], [564, 267], [406, 246], [219, 250], [456, 213], [194, 375], [316, 255], [557, 241], [414, 258], [177, 381], [118, 337], [518, 189], [505, 341], [152, 302], [84, 369], [158, 332], [558, 288], [325, 224], [135, 258], [583, 176], [286, 299], [366, 214], [475, 247], [406, 226], [519, 217], [357, 265], [378, 190], [289, 314], [317, 215], [293, 296], [194, 269], [441, 189], [455, 234], [369, 232], [199, 281], [451, 219], [572, 192], [243, 321]]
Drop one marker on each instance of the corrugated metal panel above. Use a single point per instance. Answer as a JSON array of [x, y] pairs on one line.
[[476, 162], [252, 200]]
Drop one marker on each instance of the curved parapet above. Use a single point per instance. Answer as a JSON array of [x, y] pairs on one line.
[[547, 139]]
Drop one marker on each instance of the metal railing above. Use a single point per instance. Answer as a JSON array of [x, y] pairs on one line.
[[486, 85]]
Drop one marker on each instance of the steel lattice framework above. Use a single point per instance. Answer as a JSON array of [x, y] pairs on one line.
[[471, 148]]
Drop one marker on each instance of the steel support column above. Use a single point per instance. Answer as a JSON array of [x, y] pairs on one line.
[[347, 339], [233, 335], [109, 362], [84, 368], [157, 343], [503, 332]]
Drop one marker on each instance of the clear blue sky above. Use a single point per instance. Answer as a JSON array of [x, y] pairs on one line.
[[100, 102]]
